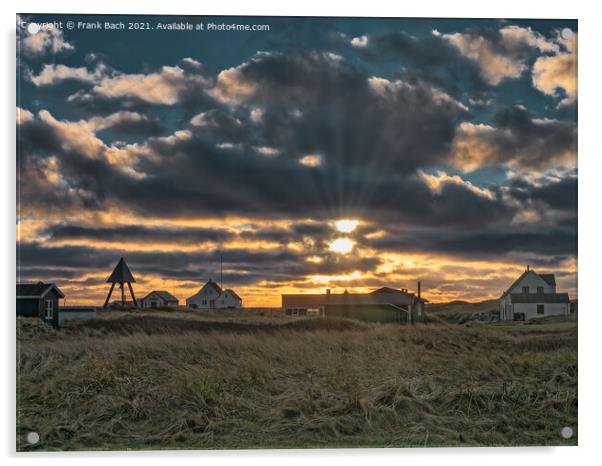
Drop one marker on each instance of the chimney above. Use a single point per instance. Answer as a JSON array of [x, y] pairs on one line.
[[327, 290], [418, 290], [527, 267]]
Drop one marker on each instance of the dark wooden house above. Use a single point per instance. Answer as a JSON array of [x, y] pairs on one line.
[[381, 305], [39, 300]]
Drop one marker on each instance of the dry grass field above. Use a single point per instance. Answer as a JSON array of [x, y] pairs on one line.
[[198, 381]]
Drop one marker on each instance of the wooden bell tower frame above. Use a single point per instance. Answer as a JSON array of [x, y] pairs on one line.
[[122, 275]]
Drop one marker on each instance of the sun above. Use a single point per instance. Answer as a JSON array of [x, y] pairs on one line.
[[346, 225], [341, 245]]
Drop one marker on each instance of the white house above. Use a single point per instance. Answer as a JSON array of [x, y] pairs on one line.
[[531, 296], [211, 296], [156, 299]]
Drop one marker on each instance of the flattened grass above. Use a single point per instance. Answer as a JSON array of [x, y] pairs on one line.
[[170, 381]]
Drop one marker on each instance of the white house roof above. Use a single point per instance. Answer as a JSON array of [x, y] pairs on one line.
[[549, 278], [233, 293], [214, 285], [164, 295], [210, 283]]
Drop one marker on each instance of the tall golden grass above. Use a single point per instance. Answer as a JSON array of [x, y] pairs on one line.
[[173, 381]]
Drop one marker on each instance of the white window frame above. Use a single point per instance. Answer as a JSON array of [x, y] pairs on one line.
[[48, 310]]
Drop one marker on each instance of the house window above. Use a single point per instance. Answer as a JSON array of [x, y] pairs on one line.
[[48, 308], [212, 302], [540, 309], [525, 289], [540, 290], [204, 302]]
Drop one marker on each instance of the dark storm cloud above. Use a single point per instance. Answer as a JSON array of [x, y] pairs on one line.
[[132, 124], [246, 266], [430, 59], [371, 138], [343, 117], [533, 142], [88, 179], [93, 104], [264, 186], [221, 126], [560, 194], [283, 187], [138, 234], [46, 273], [517, 137], [552, 242], [185, 84], [89, 257], [190, 235], [555, 241]]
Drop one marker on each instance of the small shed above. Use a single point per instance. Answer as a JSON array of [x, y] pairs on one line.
[[158, 299], [39, 300]]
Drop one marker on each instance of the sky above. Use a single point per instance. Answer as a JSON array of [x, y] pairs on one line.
[[300, 155]]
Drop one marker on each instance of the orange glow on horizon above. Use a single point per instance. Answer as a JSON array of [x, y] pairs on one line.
[[444, 277]]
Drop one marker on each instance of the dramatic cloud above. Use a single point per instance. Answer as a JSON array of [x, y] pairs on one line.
[[558, 72], [335, 161], [437, 182], [500, 54], [518, 139], [167, 86], [46, 39], [163, 87], [232, 87], [53, 74], [127, 123]]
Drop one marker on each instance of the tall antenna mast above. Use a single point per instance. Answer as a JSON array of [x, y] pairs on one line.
[[221, 270]]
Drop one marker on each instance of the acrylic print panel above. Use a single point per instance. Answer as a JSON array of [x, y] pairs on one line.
[[275, 232]]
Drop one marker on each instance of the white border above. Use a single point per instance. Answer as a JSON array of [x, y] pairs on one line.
[[590, 168]]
